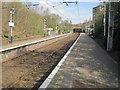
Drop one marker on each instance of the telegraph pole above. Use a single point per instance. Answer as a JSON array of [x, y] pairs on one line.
[[110, 26]]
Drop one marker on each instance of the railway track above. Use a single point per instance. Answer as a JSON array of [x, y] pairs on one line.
[[31, 69]]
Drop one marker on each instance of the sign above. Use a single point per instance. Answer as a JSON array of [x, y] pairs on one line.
[[57, 27], [11, 24], [49, 29]]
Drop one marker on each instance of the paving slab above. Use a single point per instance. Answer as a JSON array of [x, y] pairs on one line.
[[86, 66]]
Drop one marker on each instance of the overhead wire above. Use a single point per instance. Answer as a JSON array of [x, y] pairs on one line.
[[65, 3], [76, 5], [56, 10]]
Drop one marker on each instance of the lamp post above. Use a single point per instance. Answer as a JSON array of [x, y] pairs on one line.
[[44, 27], [11, 23]]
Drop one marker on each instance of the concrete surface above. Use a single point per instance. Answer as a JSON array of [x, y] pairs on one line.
[[87, 65]]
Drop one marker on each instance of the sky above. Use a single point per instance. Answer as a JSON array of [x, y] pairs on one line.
[[77, 13]]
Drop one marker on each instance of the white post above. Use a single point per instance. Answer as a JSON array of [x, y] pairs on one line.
[[11, 21], [44, 27], [11, 31]]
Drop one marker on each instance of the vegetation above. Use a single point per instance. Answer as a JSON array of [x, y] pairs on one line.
[[29, 23], [55, 21]]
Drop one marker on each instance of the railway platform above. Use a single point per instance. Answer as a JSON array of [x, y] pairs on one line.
[[30, 41], [22, 42], [85, 65]]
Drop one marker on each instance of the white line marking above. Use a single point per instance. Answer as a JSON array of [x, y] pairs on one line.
[[50, 77], [2, 50]]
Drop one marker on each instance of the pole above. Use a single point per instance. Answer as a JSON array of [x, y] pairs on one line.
[[110, 26], [44, 27], [104, 19], [105, 28], [94, 18], [11, 17], [11, 36]]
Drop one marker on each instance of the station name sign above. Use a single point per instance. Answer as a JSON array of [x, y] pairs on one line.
[[11, 24]]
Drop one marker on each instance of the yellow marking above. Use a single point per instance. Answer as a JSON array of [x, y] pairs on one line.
[[55, 86], [59, 82], [61, 77]]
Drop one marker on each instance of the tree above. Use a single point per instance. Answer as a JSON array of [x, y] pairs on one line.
[[53, 21]]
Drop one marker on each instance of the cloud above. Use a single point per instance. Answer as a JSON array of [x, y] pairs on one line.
[[45, 4], [69, 12]]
